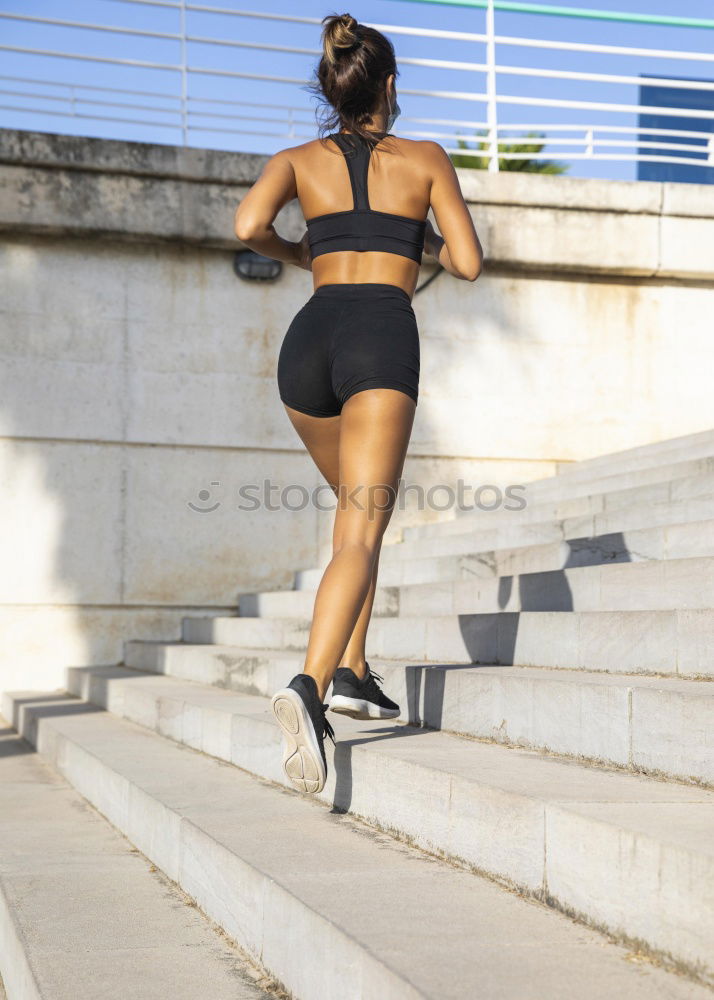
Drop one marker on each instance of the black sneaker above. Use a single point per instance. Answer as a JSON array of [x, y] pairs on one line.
[[361, 699], [301, 716]]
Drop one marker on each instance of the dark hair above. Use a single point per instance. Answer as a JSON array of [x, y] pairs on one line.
[[356, 61]]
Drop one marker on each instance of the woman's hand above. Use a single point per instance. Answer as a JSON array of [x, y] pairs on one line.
[[433, 242], [302, 254]]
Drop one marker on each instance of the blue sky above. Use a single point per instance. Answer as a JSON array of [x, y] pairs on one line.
[[258, 134]]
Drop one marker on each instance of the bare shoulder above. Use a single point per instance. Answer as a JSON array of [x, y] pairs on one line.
[[303, 149], [433, 153], [429, 155]]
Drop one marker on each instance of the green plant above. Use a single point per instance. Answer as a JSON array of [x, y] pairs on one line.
[[527, 164]]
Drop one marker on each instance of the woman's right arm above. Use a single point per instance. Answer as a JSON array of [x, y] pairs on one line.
[[458, 249]]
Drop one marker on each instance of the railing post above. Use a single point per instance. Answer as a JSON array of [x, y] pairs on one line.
[[710, 147], [184, 76], [491, 110], [589, 144]]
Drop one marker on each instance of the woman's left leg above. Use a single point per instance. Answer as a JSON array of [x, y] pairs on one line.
[[321, 437]]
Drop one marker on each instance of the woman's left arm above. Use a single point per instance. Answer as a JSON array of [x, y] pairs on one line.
[[253, 224]]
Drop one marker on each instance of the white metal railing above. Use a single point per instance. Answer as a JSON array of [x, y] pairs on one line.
[[175, 106]]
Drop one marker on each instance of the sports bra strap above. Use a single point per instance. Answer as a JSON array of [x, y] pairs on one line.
[[357, 154]]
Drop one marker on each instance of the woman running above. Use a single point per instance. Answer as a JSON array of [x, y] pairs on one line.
[[348, 370]]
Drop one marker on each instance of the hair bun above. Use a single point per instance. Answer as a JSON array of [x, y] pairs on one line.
[[340, 32]]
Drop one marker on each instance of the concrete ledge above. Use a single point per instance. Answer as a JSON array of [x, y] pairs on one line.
[[139, 191]]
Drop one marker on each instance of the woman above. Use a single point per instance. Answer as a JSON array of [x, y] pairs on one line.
[[348, 370]]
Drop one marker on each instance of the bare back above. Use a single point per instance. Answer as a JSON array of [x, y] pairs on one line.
[[399, 181]]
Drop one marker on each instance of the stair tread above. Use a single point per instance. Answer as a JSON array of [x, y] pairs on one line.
[[632, 517], [634, 534], [681, 685], [517, 771], [84, 911], [300, 855]]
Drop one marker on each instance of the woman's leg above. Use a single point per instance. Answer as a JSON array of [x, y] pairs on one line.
[[321, 437], [355, 656], [375, 427]]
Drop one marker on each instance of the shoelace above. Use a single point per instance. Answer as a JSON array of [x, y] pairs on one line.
[[328, 730]]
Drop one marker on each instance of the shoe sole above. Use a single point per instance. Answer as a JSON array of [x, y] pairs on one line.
[[302, 760], [359, 708]]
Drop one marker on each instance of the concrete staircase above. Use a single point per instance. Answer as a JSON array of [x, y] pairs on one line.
[[538, 824]]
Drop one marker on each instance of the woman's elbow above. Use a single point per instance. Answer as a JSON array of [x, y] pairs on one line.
[[244, 227], [472, 272]]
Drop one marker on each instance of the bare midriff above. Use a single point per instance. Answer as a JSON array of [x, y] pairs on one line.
[[352, 266]]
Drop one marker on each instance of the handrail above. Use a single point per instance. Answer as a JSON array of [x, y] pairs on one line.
[[193, 113], [517, 6]]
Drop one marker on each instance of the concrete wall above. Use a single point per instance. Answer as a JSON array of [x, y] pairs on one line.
[[137, 370]]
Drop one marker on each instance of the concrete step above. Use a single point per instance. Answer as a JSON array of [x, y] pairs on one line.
[[676, 541], [570, 487], [515, 533], [556, 509], [336, 910], [83, 915], [481, 805], [689, 446], [656, 585], [666, 642], [660, 726]]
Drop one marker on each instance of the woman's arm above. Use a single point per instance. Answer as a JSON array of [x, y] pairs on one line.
[[459, 250], [253, 223]]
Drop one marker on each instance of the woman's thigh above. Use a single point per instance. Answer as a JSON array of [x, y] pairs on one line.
[[375, 427], [321, 437]]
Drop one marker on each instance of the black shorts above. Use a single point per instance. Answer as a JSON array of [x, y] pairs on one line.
[[346, 338]]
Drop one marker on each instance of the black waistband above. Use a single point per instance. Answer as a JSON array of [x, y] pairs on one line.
[[361, 290]]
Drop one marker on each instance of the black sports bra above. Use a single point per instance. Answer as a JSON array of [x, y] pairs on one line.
[[361, 227]]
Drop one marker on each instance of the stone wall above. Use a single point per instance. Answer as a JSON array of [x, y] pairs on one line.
[[137, 371]]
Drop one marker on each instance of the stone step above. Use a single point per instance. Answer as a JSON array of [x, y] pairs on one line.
[[516, 533], [82, 914], [452, 797], [656, 585], [560, 488], [675, 541], [688, 488], [333, 909], [667, 642], [689, 446], [659, 726]]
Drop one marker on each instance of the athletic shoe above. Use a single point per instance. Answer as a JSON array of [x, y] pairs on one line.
[[361, 699], [301, 716]]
